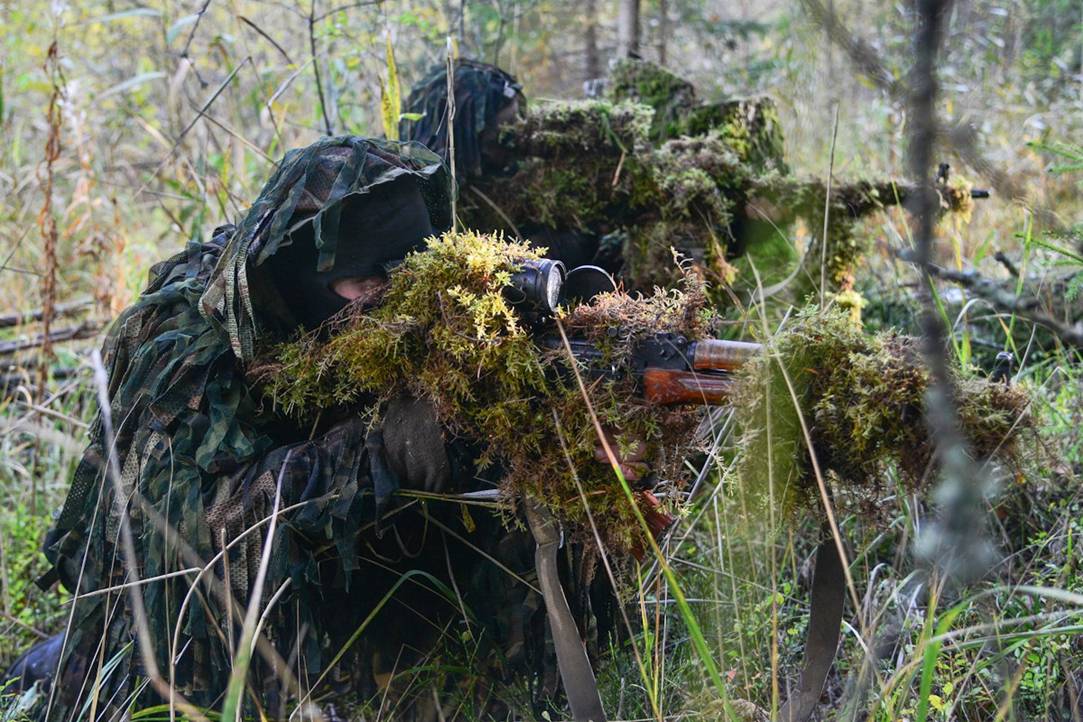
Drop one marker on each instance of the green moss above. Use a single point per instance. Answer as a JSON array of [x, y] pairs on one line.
[[748, 126], [578, 195], [862, 398], [643, 82], [446, 333], [556, 128]]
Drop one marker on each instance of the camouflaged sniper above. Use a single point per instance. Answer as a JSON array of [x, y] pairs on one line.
[[481, 91], [200, 455]]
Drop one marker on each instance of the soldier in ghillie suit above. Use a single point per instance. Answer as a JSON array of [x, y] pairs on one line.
[[577, 177], [201, 459], [487, 102]]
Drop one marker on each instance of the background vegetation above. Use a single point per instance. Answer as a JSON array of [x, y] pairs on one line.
[[130, 128]]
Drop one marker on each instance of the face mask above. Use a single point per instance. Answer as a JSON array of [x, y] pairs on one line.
[[376, 231]]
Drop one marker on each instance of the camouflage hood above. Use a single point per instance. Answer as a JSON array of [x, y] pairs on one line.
[[310, 185], [481, 91]]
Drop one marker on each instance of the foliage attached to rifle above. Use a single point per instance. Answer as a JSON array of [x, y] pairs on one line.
[[447, 332], [862, 397]]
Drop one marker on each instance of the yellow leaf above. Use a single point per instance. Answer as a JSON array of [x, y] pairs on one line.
[[468, 521], [391, 95], [936, 702], [387, 114]]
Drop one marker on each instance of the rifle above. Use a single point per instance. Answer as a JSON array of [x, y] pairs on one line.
[[668, 368]]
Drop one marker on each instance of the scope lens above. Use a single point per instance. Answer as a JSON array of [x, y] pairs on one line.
[[538, 285], [554, 284]]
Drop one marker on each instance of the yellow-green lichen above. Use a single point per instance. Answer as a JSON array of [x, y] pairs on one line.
[[446, 333], [861, 398]]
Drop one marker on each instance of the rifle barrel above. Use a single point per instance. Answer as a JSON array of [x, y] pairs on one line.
[[718, 355]]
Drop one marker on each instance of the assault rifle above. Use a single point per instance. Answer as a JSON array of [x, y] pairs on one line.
[[668, 368]]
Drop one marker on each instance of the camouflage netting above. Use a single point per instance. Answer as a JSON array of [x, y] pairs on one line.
[[862, 398], [446, 333]]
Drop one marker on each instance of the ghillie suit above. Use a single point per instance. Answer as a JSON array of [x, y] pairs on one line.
[[487, 100], [446, 332], [649, 168], [863, 398], [481, 92], [202, 457], [749, 126]]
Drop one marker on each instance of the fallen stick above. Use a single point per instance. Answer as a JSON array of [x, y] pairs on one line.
[[84, 330], [20, 317], [1025, 307], [9, 382]]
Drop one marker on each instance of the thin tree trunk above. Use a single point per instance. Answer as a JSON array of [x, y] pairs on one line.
[[628, 28], [590, 39], [663, 30]]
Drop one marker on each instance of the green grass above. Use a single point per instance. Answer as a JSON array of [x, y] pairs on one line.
[[725, 626]]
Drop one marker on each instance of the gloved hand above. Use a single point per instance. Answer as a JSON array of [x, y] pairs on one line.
[[633, 463], [414, 445]]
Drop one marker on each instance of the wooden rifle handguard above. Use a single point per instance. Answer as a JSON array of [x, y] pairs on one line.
[[667, 387]]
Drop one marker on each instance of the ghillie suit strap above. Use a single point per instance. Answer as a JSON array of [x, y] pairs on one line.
[[575, 671], [824, 627]]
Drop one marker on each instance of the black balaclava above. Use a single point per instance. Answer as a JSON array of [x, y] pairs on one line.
[[377, 230]]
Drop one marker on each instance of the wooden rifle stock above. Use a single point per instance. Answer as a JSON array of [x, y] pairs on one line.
[[668, 387]]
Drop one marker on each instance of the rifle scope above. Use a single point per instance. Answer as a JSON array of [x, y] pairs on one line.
[[537, 285]]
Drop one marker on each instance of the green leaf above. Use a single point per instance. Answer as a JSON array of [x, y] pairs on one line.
[[132, 82], [411, 116], [130, 13], [175, 28]]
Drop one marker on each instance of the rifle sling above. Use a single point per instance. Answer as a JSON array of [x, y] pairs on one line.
[[575, 670], [824, 627]]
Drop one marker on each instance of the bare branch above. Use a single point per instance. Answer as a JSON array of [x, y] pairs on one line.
[[61, 309], [266, 37], [351, 6], [995, 294], [195, 27], [316, 67]]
